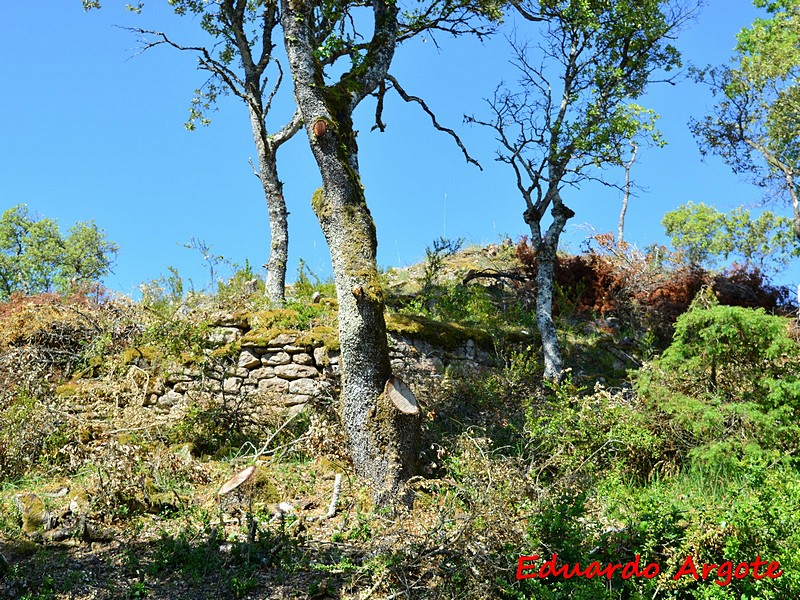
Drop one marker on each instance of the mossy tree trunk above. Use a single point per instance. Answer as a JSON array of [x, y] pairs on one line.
[[382, 441], [546, 247]]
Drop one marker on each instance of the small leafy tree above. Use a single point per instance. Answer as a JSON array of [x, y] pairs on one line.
[[707, 236], [728, 379], [35, 257], [754, 126], [574, 111], [238, 62]]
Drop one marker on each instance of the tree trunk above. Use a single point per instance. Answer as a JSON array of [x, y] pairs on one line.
[[275, 288], [553, 363], [626, 195], [793, 194], [383, 440], [546, 256]]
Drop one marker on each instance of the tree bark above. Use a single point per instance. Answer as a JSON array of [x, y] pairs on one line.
[[546, 257], [275, 288], [382, 443], [626, 194], [793, 194]]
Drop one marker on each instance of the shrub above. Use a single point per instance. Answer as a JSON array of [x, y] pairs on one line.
[[728, 380]]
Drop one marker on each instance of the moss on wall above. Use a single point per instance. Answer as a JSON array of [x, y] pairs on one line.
[[448, 336]]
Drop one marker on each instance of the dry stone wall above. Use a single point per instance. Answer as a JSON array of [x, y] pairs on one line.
[[288, 371]]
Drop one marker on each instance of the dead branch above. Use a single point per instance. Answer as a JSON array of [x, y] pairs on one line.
[[493, 274], [415, 99]]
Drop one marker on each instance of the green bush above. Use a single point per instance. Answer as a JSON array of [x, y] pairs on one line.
[[729, 384], [583, 435]]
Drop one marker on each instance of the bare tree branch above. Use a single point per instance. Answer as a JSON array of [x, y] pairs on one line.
[[207, 62], [415, 99], [288, 130]]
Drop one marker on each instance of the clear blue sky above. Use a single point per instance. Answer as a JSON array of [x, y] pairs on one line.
[[91, 130]]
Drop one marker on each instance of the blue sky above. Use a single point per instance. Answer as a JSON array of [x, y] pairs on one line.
[[92, 130]]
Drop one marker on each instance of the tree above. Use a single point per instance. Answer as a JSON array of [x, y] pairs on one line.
[[238, 62], [334, 67], [35, 257], [626, 192], [706, 236], [573, 113], [755, 125]]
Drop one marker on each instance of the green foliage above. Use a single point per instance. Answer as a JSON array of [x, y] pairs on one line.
[[729, 383], [490, 309], [308, 282], [241, 288], [583, 433], [434, 259], [31, 433], [590, 115], [706, 236], [35, 257], [754, 125], [163, 294]]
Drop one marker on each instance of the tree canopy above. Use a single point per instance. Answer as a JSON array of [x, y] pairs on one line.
[[755, 124], [706, 236], [36, 257]]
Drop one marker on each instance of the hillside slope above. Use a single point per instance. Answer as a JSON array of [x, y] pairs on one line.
[[675, 434]]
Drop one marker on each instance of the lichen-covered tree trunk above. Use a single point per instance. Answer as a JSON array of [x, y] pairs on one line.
[[275, 285], [275, 289], [267, 149], [382, 440], [553, 363], [794, 190], [546, 257]]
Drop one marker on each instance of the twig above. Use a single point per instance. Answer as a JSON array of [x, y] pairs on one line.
[[255, 170], [274, 435]]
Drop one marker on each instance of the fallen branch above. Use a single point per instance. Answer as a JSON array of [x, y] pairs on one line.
[[337, 490], [493, 274]]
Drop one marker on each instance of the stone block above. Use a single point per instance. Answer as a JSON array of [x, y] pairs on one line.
[[276, 358], [293, 371], [283, 339], [295, 400], [302, 359], [232, 385], [262, 373], [171, 398], [308, 387], [248, 360], [273, 385], [321, 356]]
